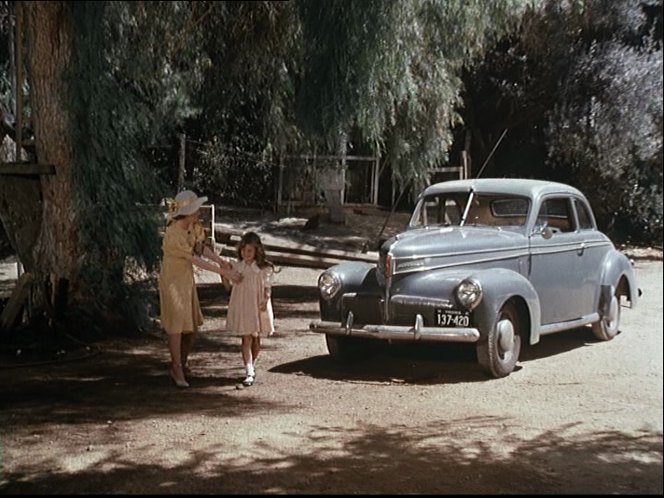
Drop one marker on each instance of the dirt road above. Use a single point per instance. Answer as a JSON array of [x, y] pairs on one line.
[[578, 416]]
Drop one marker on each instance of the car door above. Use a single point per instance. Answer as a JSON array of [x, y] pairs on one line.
[[595, 245], [556, 266]]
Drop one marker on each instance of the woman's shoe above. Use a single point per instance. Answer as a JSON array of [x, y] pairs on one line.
[[248, 381], [178, 382]]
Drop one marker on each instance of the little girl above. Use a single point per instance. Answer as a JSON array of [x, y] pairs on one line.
[[250, 307], [180, 310]]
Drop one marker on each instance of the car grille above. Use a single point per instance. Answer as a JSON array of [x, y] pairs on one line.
[[404, 314], [367, 309], [404, 309]]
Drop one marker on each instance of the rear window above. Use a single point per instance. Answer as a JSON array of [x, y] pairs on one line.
[[509, 207]]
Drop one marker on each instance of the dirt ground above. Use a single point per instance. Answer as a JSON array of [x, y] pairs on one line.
[[578, 416]]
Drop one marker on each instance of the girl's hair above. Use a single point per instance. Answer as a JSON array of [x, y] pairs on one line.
[[252, 238]]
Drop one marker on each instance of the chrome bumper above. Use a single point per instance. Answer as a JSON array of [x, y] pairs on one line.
[[398, 332]]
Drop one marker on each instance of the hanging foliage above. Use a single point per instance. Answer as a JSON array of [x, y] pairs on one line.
[[125, 98], [392, 69]]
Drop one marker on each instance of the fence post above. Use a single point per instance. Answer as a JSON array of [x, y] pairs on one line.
[[181, 163]]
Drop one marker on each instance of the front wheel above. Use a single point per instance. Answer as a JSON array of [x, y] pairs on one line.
[[608, 326], [500, 351], [346, 349]]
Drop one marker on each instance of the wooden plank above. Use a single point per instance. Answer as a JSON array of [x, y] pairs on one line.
[[301, 260], [16, 302], [232, 236], [369, 257], [448, 169], [26, 169], [330, 157]]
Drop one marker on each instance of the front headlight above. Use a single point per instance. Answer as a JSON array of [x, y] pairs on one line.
[[328, 285], [469, 294]]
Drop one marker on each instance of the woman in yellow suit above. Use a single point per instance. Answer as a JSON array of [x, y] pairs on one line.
[[183, 248]]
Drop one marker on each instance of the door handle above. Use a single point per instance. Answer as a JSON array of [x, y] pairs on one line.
[[581, 249]]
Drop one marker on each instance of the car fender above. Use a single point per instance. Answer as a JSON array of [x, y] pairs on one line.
[[614, 267], [354, 276], [498, 286]]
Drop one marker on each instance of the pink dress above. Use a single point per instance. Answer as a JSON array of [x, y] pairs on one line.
[[244, 315]]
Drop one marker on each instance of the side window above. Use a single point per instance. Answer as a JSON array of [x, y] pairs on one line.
[[556, 213], [585, 219]]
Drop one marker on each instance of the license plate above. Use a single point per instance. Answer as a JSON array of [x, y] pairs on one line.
[[452, 318]]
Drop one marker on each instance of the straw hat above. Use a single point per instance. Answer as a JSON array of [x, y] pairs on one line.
[[186, 203]]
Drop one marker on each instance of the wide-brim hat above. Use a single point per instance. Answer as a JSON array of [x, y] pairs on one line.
[[186, 203]]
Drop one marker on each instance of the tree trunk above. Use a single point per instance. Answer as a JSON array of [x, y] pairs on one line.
[[49, 55], [333, 183]]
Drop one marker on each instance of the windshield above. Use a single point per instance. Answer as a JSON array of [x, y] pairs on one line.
[[448, 209]]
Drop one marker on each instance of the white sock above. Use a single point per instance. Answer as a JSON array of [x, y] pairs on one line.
[[250, 370]]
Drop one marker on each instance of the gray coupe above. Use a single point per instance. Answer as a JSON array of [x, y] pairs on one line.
[[493, 262]]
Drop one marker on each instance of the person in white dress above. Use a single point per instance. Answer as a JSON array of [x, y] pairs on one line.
[[250, 307]]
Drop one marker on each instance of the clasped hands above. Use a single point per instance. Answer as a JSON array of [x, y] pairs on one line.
[[234, 276], [227, 272]]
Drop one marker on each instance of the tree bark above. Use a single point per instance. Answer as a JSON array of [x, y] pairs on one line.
[[49, 55]]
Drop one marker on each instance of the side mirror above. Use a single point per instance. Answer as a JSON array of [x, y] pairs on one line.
[[547, 232]]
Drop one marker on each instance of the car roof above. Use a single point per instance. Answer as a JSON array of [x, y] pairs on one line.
[[514, 186]]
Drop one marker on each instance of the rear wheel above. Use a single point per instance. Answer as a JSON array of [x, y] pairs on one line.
[[608, 326], [500, 351]]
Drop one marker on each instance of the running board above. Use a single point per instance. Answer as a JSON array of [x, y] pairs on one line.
[[570, 324]]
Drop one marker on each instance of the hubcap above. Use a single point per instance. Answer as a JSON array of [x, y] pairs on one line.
[[505, 335], [612, 316]]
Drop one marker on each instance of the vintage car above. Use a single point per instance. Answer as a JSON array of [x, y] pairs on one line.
[[494, 262]]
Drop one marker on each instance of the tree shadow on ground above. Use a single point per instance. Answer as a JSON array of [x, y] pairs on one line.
[[125, 384], [438, 458]]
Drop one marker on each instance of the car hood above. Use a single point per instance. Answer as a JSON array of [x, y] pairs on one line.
[[442, 246]]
